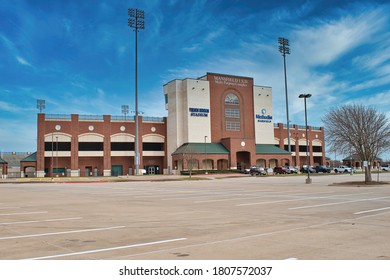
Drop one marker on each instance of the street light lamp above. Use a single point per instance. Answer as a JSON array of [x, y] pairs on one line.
[[308, 180], [285, 49], [136, 21]]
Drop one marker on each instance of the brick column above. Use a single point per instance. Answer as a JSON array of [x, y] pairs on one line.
[[40, 167], [107, 145], [74, 150]]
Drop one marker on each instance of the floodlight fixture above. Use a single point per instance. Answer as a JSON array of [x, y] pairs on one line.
[[125, 110], [41, 105]]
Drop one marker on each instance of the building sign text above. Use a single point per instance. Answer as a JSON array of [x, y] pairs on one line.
[[263, 117], [199, 112], [231, 81]]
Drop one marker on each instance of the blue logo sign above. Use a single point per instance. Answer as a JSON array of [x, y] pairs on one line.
[[263, 117]]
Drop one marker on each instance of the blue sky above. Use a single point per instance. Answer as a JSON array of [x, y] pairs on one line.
[[79, 55]]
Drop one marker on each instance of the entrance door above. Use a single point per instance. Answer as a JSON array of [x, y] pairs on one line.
[[117, 170], [88, 171], [151, 170], [243, 160]]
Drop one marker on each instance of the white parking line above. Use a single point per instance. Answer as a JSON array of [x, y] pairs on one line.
[[258, 195], [24, 213], [338, 203], [108, 249], [373, 210], [39, 221], [235, 239], [61, 232], [298, 199]]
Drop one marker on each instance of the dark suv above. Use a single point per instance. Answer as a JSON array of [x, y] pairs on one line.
[[257, 170], [281, 170], [323, 169]]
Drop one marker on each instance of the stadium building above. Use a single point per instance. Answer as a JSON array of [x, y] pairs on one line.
[[215, 122]]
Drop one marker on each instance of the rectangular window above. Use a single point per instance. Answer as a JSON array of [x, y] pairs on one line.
[[232, 126], [232, 113], [302, 148], [153, 146], [122, 146], [57, 146], [291, 146], [317, 149], [90, 146]]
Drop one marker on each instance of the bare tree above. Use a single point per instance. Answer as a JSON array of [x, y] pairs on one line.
[[362, 130], [189, 156]]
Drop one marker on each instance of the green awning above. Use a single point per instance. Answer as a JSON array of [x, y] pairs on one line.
[[2, 160], [30, 158], [270, 149], [201, 148]]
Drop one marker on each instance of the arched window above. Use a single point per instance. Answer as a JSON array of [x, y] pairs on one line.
[[232, 113], [232, 99]]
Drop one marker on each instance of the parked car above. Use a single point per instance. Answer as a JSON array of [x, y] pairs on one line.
[[292, 169], [323, 169], [311, 169], [385, 167], [247, 171], [342, 169], [257, 170], [281, 170]]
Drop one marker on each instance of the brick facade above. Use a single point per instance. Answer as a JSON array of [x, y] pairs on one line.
[[225, 110], [60, 139]]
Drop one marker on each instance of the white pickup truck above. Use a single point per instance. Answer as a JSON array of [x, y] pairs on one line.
[[342, 169]]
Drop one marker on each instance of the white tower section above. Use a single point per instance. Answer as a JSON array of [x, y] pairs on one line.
[[264, 122], [188, 105]]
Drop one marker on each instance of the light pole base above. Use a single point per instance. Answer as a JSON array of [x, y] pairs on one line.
[[308, 180]]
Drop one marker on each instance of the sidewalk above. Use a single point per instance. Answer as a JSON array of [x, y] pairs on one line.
[[122, 178]]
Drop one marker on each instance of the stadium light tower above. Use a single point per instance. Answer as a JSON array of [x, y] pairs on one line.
[[136, 21], [41, 105], [125, 110], [285, 49]]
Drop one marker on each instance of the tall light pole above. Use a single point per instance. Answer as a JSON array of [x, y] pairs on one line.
[[57, 156], [136, 21], [52, 155], [284, 49], [308, 180], [205, 152]]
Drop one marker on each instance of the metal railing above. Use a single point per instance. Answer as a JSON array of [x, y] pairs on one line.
[[122, 118], [91, 117], [153, 119], [58, 117]]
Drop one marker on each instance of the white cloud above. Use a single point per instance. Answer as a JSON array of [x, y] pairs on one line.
[[4, 106], [326, 41], [373, 60], [100, 92], [22, 61]]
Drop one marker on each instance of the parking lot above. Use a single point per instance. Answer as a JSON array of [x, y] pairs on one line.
[[273, 217]]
